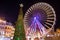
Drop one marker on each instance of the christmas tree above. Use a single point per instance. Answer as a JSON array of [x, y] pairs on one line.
[[19, 29]]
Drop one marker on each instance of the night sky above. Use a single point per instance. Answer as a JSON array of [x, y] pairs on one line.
[[10, 8]]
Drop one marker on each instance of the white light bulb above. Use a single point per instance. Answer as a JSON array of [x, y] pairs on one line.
[[34, 18]]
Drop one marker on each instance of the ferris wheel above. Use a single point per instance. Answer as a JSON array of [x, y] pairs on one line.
[[42, 14]]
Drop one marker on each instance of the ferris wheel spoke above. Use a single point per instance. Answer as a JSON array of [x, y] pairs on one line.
[[50, 15], [46, 26], [48, 23], [26, 14], [40, 6], [50, 18], [25, 17], [44, 7], [30, 9], [47, 8], [25, 20]]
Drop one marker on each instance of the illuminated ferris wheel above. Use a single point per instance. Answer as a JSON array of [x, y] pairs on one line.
[[40, 16]]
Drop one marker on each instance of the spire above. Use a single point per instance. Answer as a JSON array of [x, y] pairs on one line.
[[19, 29]]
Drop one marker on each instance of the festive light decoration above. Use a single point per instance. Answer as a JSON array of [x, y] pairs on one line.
[[19, 32], [6, 30]]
